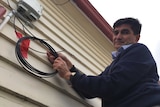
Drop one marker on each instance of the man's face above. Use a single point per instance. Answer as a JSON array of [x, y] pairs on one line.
[[123, 35]]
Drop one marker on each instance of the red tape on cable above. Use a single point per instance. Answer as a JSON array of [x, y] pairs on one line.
[[24, 47]]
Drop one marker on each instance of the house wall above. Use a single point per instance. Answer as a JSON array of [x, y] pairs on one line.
[[67, 29]]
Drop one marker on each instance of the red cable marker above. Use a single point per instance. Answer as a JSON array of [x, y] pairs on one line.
[[24, 45]]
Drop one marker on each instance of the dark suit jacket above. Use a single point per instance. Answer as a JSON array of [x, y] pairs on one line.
[[130, 81]]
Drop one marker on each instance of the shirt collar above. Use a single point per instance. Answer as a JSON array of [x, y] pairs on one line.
[[116, 53]]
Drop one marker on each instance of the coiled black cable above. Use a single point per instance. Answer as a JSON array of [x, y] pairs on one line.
[[26, 65]]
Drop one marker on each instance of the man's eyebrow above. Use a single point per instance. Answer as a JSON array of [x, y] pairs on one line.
[[121, 30], [124, 29]]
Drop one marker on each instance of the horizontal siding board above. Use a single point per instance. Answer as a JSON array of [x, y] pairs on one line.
[[10, 99], [81, 39], [88, 28], [71, 37], [35, 89]]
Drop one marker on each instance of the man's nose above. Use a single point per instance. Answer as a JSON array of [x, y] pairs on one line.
[[119, 36]]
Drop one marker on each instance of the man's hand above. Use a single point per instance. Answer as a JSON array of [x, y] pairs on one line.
[[61, 66], [51, 58]]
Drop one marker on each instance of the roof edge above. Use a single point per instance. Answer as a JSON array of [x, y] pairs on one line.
[[95, 17]]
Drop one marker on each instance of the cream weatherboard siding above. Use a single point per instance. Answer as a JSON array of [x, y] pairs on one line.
[[67, 29]]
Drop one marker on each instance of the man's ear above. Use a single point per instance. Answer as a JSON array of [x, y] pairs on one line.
[[137, 37]]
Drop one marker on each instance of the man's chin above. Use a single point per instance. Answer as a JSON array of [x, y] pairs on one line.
[[117, 48]]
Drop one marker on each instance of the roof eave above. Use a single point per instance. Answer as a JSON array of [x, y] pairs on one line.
[[95, 17]]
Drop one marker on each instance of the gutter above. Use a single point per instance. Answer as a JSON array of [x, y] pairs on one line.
[[95, 17]]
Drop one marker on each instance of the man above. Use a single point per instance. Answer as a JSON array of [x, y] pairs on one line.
[[131, 80]]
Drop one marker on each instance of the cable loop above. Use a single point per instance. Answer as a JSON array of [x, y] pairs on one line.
[[26, 65]]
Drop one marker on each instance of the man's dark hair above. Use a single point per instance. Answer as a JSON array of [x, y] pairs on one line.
[[134, 23]]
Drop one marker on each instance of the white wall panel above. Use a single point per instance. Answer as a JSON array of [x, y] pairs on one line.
[[68, 30]]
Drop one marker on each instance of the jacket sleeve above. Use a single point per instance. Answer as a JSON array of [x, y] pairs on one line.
[[133, 65]]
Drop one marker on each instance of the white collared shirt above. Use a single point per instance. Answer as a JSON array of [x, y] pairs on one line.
[[116, 53]]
